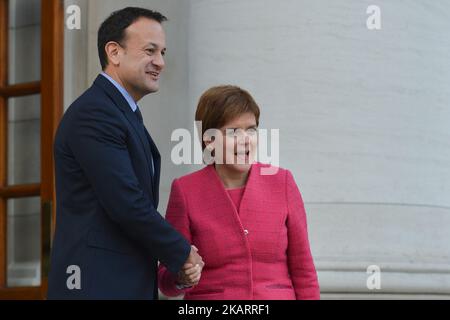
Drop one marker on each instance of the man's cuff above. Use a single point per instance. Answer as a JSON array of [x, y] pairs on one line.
[[182, 286]]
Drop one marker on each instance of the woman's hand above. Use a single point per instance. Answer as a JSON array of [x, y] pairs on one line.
[[190, 275]]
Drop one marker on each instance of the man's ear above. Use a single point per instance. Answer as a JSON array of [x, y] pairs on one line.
[[112, 49]]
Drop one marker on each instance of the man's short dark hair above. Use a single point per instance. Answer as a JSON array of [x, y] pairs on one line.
[[113, 28]]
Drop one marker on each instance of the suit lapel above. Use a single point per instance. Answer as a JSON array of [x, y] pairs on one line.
[[157, 166], [120, 102]]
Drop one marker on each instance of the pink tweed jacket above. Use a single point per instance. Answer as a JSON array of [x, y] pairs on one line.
[[260, 251]]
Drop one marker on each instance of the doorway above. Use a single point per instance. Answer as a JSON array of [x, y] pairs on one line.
[[31, 105]]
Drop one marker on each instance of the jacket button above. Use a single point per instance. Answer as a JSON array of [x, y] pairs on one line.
[[246, 232]]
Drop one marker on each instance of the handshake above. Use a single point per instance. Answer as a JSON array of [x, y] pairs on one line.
[[191, 272]]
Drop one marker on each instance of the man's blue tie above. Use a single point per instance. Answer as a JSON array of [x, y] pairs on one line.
[[139, 115]]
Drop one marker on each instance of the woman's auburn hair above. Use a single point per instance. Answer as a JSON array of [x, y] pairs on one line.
[[221, 104]]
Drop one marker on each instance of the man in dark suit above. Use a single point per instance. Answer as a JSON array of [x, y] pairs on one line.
[[109, 235]]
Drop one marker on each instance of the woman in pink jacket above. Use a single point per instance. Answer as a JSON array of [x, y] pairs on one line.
[[247, 219]]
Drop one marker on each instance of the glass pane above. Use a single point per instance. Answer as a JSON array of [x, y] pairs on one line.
[[24, 143], [24, 242], [24, 41]]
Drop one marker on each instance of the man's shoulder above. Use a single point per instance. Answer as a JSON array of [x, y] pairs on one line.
[[93, 96], [93, 108], [93, 101]]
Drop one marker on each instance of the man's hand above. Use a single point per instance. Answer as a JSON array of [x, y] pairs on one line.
[[194, 258], [192, 270]]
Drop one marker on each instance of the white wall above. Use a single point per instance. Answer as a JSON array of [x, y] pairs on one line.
[[76, 55], [363, 118]]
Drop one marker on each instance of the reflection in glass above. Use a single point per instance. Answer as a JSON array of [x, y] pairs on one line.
[[24, 41], [24, 144], [24, 242]]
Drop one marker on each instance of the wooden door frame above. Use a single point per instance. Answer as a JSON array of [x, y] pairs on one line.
[[51, 88]]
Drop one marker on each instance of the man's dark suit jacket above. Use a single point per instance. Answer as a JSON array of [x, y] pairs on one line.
[[107, 223]]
